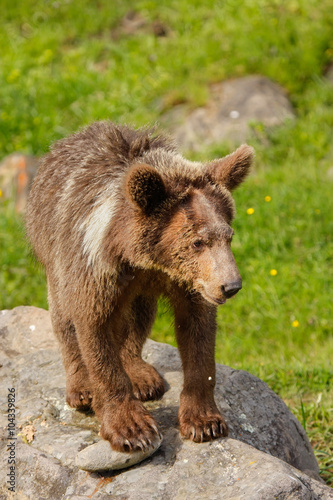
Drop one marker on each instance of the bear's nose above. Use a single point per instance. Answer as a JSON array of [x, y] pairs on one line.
[[230, 289]]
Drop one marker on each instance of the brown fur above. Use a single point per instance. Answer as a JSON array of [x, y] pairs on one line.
[[118, 218]]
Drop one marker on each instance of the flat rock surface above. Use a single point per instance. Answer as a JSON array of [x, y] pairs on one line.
[[267, 454], [232, 107]]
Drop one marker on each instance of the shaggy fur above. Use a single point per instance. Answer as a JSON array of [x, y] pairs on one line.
[[118, 218]]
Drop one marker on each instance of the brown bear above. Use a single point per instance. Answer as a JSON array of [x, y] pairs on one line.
[[118, 218]]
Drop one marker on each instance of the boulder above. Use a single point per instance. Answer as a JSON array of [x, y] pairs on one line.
[[233, 106], [17, 172], [267, 454]]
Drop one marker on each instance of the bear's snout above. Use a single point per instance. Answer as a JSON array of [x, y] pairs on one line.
[[230, 289]]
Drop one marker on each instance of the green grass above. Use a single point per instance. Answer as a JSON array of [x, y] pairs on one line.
[[22, 280], [64, 64]]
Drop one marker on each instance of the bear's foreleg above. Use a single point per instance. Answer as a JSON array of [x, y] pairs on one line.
[[125, 423], [146, 381], [195, 323]]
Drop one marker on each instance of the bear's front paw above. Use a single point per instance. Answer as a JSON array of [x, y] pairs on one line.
[[200, 426], [128, 426]]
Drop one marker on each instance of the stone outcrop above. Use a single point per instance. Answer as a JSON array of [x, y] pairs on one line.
[[267, 454], [233, 106]]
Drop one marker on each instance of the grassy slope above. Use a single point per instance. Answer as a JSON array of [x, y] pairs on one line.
[[63, 66]]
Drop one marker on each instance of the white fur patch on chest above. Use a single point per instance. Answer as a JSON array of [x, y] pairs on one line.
[[96, 223]]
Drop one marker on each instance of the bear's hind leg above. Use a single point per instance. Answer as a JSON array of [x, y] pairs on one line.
[[147, 383], [125, 422], [78, 393]]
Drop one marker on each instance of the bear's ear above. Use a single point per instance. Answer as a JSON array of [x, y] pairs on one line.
[[145, 187], [231, 170]]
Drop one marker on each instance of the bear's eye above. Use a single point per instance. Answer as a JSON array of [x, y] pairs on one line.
[[198, 244]]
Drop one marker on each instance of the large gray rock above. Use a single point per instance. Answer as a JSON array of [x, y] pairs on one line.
[[266, 456], [233, 105]]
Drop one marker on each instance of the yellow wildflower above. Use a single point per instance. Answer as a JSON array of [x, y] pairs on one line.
[[295, 323], [273, 272], [268, 199], [250, 211], [0, 193]]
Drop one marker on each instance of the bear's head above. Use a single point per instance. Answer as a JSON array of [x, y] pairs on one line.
[[185, 221]]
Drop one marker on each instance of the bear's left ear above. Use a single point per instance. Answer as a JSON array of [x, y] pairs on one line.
[[145, 187], [231, 170]]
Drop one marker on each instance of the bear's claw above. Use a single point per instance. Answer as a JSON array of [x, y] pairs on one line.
[[129, 427], [204, 427], [81, 400]]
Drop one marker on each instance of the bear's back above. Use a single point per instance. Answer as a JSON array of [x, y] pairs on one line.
[[81, 171]]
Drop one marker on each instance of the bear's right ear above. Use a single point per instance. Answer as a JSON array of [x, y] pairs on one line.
[[231, 170], [145, 187]]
